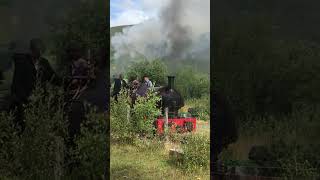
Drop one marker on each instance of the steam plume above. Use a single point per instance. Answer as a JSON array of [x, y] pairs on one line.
[[179, 32]]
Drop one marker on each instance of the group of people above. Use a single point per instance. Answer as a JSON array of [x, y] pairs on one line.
[[135, 87], [33, 69]]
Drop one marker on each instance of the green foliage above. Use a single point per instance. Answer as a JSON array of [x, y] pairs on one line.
[[201, 107], [127, 123], [8, 145], [121, 127], [92, 146], [290, 140], [40, 151], [196, 152], [156, 70], [294, 160], [273, 86], [84, 25], [145, 111], [192, 84], [261, 73], [42, 142]]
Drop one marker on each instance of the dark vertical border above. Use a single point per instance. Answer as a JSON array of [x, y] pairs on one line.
[[107, 45]]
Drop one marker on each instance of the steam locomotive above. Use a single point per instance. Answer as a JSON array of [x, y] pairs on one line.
[[172, 100]]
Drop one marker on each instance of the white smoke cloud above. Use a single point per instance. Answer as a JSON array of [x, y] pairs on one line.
[[174, 29]]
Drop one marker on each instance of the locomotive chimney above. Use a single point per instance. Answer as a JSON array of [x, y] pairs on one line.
[[170, 82]]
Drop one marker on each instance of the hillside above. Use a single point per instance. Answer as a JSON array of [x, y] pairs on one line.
[[116, 29]]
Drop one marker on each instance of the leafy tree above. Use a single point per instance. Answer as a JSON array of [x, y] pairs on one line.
[[84, 25], [192, 84], [156, 70]]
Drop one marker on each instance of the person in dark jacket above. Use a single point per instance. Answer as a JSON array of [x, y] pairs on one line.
[[119, 83], [30, 67], [124, 83]]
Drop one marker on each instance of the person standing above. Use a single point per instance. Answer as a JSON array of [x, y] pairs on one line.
[[124, 84], [29, 68], [44, 71], [117, 87], [148, 82]]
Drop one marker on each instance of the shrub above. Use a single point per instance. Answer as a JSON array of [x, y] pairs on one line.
[[42, 142], [145, 112], [127, 123], [192, 84], [196, 152], [201, 107], [121, 127], [92, 146], [40, 151], [290, 141], [9, 144], [291, 160]]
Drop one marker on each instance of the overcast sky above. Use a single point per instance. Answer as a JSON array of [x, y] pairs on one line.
[[126, 12]]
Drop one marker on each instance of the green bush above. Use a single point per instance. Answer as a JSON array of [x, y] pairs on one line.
[[40, 151], [120, 122], [156, 70], [145, 112], [196, 152], [9, 144], [192, 84], [294, 160], [127, 123], [42, 142], [92, 146], [290, 141], [201, 107]]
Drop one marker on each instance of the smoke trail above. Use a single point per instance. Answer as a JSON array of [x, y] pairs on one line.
[[177, 35], [179, 32]]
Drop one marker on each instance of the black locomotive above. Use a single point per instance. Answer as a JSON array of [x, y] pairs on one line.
[[170, 98]]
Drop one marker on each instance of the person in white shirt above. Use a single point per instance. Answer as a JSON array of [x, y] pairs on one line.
[[148, 82]]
